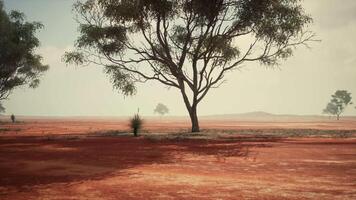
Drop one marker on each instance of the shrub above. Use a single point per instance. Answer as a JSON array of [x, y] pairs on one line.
[[136, 124], [13, 118]]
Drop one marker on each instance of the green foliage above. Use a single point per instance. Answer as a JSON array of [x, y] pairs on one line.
[[161, 109], [136, 124], [73, 58], [197, 30], [339, 101], [113, 38], [186, 44], [19, 65], [121, 80], [332, 109]]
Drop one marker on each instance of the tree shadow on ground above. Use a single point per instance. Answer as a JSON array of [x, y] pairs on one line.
[[28, 162]]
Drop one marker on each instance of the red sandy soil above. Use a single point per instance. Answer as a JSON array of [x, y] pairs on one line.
[[54, 126], [228, 167]]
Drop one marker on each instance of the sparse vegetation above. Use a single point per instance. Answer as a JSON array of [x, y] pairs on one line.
[[75, 138], [339, 101], [136, 124], [13, 118]]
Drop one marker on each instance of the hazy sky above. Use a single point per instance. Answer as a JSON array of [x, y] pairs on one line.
[[302, 85]]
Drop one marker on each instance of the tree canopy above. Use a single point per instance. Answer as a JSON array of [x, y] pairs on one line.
[[185, 44], [19, 65], [339, 101], [161, 109]]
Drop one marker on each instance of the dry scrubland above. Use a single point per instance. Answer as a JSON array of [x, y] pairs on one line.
[[96, 159]]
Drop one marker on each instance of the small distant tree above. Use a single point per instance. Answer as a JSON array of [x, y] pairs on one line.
[[13, 119], [161, 109], [19, 65], [339, 101]]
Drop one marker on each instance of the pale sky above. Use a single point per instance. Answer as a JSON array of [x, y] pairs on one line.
[[302, 85]]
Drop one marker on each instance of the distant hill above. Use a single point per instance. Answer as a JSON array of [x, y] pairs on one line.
[[264, 116], [259, 114]]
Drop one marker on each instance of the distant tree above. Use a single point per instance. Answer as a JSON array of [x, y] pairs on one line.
[[13, 119], [189, 45], [19, 65], [339, 101], [161, 109]]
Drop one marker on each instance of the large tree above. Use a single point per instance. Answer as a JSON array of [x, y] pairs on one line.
[[189, 45], [19, 65], [339, 101]]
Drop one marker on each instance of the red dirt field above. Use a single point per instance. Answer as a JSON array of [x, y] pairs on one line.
[[55, 126], [203, 166]]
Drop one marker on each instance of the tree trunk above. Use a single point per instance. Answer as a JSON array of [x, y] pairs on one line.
[[192, 108], [194, 119], [338, 117]]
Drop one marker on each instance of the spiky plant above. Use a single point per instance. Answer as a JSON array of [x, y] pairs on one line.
[[136, 124], [13, 119]]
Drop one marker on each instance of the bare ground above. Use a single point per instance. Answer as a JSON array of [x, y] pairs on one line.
[[230, 164], [70, 126]]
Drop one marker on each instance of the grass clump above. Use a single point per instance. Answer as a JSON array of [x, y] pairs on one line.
[[13, 119], [136, 124]]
